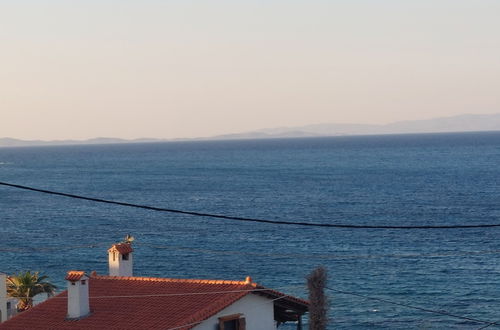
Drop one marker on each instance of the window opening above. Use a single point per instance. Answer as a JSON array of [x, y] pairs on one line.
[[232, 322]]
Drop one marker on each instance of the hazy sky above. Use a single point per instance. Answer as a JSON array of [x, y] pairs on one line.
[[82, 69]]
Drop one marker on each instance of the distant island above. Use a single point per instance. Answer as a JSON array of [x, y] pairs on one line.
[[10, 142], [462, 123]]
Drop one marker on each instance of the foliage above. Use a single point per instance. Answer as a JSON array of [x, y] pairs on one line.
[[25, 285]]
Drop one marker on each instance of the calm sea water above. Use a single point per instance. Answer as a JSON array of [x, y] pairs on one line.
[[388, 180]]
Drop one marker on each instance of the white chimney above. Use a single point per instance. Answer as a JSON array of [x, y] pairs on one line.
[[78, 294], [3, 297], [120, 259]]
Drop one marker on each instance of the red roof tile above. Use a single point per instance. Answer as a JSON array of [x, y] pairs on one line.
[[122, 248], [74, 275], [142, 303]]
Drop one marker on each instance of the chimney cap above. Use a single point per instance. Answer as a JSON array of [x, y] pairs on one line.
[[122, 248], [74, 275]]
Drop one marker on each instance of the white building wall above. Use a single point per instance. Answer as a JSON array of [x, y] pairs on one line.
[[6, 312], [3, 297], [78, 298], [13, 307], [257, 311], [118, 266]]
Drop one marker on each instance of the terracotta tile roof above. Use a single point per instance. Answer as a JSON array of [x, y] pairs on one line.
[[122, 248], [74, 275], [141, 303]]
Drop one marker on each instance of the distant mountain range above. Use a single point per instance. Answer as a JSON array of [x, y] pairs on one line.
[[9, 142], [463, 123]]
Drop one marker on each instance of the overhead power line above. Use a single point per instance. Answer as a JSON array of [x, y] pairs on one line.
[[28, 249], [248, 309], [323, 256], [245, 219], [51, 248], [179, 294], [488, 323]]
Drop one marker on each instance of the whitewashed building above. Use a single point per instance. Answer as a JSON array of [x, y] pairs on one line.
[[7, 304], [122, 301]]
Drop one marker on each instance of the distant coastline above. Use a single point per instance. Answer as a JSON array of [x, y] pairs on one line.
[[462, 123], [11, 142]]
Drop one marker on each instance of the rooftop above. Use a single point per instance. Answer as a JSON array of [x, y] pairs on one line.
[[122, 248], [74, 275], [149, 303]]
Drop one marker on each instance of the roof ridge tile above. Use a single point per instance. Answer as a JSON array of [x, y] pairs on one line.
[[74, 275], [122, 248], [176, 280]]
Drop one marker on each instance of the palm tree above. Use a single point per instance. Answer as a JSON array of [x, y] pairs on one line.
[[25, 285]]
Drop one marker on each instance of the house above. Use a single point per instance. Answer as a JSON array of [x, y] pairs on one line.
[[123, 301], [7, 304]]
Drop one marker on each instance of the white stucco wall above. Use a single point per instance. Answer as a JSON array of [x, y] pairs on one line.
[[118, 266], [78, 298], [257, 311], [13, 307], [3, 297]]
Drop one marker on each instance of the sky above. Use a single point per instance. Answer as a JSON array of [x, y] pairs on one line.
[[177, 69]]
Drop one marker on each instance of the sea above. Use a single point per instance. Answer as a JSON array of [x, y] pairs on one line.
[[377, 278]]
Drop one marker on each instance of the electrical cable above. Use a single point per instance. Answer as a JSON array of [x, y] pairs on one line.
[[259, 254], [198, 322], [184, 294], [48, 249], [245, 219], [489, 323], [193, 293], [322, 256], [311, 224]]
